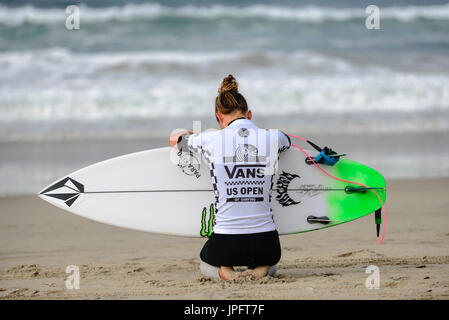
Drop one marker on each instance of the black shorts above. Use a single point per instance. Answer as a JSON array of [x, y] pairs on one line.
[[250, 250]]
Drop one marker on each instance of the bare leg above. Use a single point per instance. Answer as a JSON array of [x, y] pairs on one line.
[[227, 273]]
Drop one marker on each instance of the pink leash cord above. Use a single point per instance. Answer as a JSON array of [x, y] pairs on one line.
[[333, 177]]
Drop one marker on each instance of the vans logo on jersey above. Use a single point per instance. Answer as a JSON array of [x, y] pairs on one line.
[[246, 171]]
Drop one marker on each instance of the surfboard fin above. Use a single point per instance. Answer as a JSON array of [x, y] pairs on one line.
[[378, 220], [322, 220], [350, 189]]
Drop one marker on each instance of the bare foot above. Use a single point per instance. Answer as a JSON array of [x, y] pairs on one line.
[[227, 273], [258, 272]]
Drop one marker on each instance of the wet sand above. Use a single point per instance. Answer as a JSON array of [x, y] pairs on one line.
[[38, 241]]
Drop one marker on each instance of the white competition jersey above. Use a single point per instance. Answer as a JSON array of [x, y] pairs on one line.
[[242, 159]]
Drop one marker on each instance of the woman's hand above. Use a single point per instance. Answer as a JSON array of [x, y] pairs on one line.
[[174, 138]]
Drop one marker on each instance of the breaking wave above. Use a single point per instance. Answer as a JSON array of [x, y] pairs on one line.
[[29, 14]]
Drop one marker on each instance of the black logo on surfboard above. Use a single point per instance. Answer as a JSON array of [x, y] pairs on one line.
[[67, 190], [282, 189], [189, 164]]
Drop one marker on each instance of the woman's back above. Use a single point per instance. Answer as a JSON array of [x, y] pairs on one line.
[[242, 160]]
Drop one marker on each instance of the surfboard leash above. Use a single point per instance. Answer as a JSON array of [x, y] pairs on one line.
[[377, 215]]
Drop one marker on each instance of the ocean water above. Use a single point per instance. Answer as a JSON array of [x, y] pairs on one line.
[[139, 69]]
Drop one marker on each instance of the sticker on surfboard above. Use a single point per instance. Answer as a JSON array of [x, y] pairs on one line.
[[206, 228], [189, 164], [67, 190]]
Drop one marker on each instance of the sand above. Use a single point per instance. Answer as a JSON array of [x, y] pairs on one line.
[[38, 241]]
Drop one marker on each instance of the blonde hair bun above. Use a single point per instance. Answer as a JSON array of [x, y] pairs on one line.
[[229, 84]]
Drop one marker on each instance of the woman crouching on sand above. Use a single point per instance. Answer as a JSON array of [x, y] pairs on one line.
[[242, 159]]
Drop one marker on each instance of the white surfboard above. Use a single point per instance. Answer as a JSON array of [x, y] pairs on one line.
[[167, 192]]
